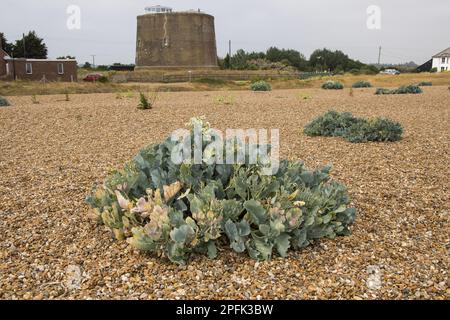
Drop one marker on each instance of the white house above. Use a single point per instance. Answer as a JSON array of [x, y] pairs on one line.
[[441, 61]]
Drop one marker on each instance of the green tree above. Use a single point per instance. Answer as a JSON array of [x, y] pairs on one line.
[[66, 57], [35, 47], [227, 62], [333, 60], [239, 60], [6, 46], [295, 58]]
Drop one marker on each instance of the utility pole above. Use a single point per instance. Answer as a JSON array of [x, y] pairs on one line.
[[229, 53], [93, 60], [24, 47], [379, 56]]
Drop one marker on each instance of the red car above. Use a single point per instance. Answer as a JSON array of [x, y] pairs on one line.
[[92, 77]]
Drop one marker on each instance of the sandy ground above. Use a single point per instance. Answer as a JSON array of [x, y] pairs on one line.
[[52, 152]]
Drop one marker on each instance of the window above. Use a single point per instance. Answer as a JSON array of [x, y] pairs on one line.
[[442, 69], [28, 68], [60, 68], [443, 60]]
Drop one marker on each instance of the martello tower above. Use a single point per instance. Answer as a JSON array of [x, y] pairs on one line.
[[167, 39]]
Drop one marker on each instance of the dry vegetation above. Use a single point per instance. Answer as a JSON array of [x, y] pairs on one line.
[[21, 88], [52, 153]]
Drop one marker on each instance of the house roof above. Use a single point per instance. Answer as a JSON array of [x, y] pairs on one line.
[[445, 53], [41, 60]]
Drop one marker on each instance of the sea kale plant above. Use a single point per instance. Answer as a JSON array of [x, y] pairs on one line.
[[330, 124], [354, 129], [333, 85], [381, 91], [362, 84], [3, 102], [176, 210], [411, 89], [261, 86]]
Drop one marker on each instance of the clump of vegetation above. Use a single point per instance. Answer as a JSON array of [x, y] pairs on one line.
[[225, 100], [103, 79], [353, 129], [129, 94], [147, 102], [378, 129], [362, 84], [425, 84], [34, 99], [260, 86], [4, 102], [66, 95], [332, 85], [305, 96], [383, 91], [210, 81], [411, 89], [330, 124], [176, 210]]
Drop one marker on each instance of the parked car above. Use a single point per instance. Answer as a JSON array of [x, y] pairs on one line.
[[92, 77], [390, 71]]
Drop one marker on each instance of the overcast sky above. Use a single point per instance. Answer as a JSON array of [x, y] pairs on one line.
[[410, 29]]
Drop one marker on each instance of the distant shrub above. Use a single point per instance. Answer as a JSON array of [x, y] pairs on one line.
[[425, 84], [353, 129], [411, 89], [103, 79], [332, 85], [362, 84], [355, 71], [4, 102], [383, 91], [260, 86], [433, 70]]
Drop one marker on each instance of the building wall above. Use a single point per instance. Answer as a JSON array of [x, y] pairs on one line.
[[438, 64], [176, 40], [43, 68]]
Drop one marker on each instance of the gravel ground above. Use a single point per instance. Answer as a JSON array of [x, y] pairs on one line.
[[52, 153]]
